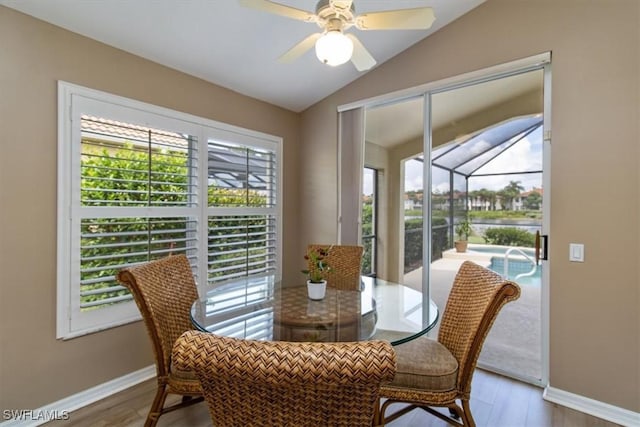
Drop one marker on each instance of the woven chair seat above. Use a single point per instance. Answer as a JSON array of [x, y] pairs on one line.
[[425, 364], [184, 386]]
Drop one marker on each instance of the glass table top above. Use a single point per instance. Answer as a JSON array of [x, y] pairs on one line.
[[264, 308]]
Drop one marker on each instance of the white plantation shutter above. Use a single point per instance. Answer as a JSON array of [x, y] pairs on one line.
[[242, 221], [124, 165], [138, 183], [249, 305]]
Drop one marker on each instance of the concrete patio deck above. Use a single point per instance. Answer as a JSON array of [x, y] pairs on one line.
[[514, 342]]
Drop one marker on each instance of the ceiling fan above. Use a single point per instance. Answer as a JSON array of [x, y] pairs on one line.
[[332, 45]]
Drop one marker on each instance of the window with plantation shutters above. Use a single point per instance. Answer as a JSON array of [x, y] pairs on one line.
[[242, 220], [137, 183]]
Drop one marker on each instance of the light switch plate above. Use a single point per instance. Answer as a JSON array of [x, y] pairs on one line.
[[576, 252]]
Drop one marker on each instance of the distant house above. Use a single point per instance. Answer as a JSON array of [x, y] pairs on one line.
[[518, 202], [479, 203], [411, 203]]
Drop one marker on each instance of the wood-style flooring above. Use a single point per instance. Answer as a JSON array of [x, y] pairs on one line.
[[496, 401]]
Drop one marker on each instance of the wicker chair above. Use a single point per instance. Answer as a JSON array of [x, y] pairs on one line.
[[293, 384], [164, 291], [346, 264], [438, 373]]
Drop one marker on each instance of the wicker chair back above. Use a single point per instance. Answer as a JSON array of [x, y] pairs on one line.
[[164, 290], [277, 383], [346, 264]]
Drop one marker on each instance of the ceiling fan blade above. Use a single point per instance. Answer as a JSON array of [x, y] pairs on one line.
[[420, 18], [361, 57], [295, 52], [279, 9]]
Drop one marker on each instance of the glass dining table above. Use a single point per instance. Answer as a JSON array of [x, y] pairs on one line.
[[264, 308]]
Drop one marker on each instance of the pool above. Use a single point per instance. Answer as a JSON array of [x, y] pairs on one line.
[[518, 264], [517, 267], [500, 250]]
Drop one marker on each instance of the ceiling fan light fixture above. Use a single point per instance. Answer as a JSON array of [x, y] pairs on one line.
[[334, 48]]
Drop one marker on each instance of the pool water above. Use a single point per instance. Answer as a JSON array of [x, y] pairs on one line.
[[517, 264], [500, 250], [517, 267]]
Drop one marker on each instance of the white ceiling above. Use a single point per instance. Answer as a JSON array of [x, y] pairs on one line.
[[232, 46]]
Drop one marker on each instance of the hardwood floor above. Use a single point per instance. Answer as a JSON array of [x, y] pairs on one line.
[[496, 401]]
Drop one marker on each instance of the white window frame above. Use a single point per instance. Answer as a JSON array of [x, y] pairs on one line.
[[73, 100]]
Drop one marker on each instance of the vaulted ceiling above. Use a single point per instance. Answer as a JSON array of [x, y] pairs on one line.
[[233, 46]]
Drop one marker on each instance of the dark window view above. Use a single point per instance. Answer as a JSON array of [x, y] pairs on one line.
[[369, 205]]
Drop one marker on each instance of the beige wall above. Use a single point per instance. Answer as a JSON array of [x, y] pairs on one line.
[[35, 368], [595, 327]]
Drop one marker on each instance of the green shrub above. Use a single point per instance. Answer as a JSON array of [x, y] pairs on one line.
[[367, 229], [509, 236]]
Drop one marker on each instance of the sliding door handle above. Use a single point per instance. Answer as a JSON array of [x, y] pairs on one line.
[[541, 247], [541, 243]]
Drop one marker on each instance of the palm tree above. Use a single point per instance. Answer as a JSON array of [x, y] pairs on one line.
[[488, 196], [510, 192]]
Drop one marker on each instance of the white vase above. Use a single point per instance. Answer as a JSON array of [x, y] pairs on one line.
[[316, 290]]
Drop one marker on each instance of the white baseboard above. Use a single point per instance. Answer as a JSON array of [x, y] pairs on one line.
[[596, 408], [63, 407]]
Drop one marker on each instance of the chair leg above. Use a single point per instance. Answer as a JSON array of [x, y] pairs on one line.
[[156, 407], [376, 414], [467, 418], [383, 419]]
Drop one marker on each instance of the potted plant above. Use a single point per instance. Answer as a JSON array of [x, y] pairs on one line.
[[317, 272], [463, 229]]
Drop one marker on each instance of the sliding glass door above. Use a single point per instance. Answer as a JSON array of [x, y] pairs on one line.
[[487, 189], [461, 160]]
